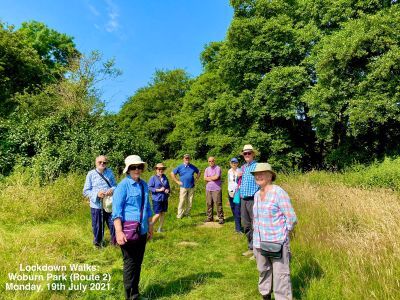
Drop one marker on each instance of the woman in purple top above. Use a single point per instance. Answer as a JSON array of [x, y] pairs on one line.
[[212, 175], [159, 187]]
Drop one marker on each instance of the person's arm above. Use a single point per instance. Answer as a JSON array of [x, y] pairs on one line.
[[167, 187], [152, 185], [198, 173], [217, 175], [117, 208], [206, 177], [149, 214], [174, 178], [287, 209], [151, 229], [88, 189], [119, 234]]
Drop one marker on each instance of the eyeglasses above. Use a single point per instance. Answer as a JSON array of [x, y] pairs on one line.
[[136, 167], [247, 153], [160, 169], [102, 162]]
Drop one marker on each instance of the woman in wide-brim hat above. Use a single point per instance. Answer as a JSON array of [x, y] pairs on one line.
[[274, 218], [130, 196], [159, 187]]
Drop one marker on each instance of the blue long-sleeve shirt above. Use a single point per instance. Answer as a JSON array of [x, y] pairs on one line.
[[94, 183], [155, 184], [127, 201]]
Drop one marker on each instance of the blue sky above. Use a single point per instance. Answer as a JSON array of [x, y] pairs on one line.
[[142, 35]]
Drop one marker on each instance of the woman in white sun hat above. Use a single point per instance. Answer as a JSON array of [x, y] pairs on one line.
[[273, 219], [131, 206]]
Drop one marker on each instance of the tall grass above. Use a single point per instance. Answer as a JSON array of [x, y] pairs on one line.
[[346, 245]]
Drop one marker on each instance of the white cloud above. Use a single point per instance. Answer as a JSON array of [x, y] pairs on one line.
[[93, 10], [112, 24]]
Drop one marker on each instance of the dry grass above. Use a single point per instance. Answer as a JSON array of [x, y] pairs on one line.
[[361, 228]]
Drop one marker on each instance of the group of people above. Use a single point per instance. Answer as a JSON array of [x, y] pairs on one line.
[[261, 210]]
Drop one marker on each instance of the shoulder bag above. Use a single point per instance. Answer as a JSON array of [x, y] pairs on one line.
[[107, 200], [131, 229]]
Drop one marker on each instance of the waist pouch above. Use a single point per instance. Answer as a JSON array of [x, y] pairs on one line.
[[270, 249]]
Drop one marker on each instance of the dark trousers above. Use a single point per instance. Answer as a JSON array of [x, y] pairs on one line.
[[211, 198], [246, 212], [132, 254], [99, 217], [235, 207]]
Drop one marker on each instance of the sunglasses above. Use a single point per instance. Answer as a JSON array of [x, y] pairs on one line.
[[138, 167], [247, 153], [160, 169], [102, 162]]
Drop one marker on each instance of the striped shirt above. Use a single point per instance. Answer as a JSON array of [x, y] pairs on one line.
[[95, 183], [274, 216], [248, 186]]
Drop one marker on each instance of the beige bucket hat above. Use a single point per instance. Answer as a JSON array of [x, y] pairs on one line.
[[264, 167], [160, 166], [133, 160]]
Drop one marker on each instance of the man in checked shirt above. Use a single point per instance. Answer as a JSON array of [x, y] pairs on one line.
[[248, 187]]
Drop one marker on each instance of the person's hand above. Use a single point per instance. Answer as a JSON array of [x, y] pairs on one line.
[[161, 189], [179, 182], [109, 192], [121, 238], [150, 232], [101, 194], [166, 191]]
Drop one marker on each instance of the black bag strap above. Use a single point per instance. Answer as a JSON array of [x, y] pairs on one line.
[[105, 179], [142, 205]]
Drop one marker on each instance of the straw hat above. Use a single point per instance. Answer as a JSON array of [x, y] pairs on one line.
[[160, 166], [249, 147], [133, 160], [264, 167]]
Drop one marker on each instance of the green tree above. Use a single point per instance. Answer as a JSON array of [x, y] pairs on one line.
[[151, 111]]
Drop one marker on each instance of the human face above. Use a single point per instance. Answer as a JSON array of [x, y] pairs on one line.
[[101, 163], [160, 171], [186, 160], [211, 161], [248, 156], [263, 178], [234, 165], [135, 171]]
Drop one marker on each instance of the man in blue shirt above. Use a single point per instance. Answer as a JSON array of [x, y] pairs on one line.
[[248, 187], [99, 183], [186, 180]]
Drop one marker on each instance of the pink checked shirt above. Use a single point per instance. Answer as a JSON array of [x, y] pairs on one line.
[[273, 218]]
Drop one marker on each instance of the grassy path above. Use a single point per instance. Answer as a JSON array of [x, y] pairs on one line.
[[345, 246]]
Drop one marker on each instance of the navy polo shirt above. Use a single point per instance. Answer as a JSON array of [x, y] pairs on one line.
[[186, 173]]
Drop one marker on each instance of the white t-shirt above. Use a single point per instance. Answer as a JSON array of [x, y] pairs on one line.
[[233, 177]]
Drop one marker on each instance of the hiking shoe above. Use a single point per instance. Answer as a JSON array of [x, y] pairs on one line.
[[248, 253], [208, 220], [221, 221], [266, 297]]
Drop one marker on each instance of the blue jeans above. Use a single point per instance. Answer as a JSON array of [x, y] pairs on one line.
[[236, 214], [98, 221]]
